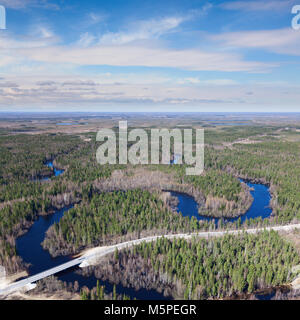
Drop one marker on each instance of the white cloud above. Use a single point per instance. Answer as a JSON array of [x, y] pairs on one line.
[[6, 60], [21, 4], [8, 85], [73, 91], [142, 56], [46, 72], [17, 4], [123, 49], [80, 83], [283, 41], [220, 82], [43, 32], [92, 19], [142, 30], [86, 39], [214, 82], [270, 5], [189, 81], [40, 36], [95, 18]]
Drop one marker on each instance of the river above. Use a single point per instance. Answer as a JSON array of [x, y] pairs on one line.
[[260, 207], [30, 249]]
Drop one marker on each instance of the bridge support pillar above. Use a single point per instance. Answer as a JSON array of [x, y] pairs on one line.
[[84, 264], [90, 262], [28, 287]]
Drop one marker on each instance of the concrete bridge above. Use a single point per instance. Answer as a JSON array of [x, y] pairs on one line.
[[92, 256]]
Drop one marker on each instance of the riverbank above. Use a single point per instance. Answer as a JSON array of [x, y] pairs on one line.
[[48, 221]]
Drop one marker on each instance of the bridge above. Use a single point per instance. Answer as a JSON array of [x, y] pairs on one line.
[[92, 256]]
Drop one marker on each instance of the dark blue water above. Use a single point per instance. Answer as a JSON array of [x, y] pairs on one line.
[[266, 297], [188, 207], [30, 249], [56, 171]]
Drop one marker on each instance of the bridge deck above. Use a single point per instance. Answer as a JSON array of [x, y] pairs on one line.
[[22, 283], [106, 250]]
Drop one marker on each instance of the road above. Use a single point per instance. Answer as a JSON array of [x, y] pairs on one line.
[[23, 283], [92, 256]]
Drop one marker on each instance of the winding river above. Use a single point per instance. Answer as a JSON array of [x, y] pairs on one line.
[[260, 207], [30, 249]]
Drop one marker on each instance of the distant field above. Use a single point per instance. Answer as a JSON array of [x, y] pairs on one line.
[[117, 202]]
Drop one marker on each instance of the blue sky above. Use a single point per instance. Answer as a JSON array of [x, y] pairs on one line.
[[149, 56]]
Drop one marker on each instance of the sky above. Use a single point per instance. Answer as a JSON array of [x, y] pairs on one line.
[[158, 55]]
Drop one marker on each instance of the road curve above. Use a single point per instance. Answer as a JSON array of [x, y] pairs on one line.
[[93, 255]]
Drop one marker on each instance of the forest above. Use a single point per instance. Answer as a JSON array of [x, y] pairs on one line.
[[205, 269], [99, 293], [111, 217], [276, 163], [113, 203]]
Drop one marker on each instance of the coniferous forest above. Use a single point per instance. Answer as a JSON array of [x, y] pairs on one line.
[[114, 203], [205, 269]]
